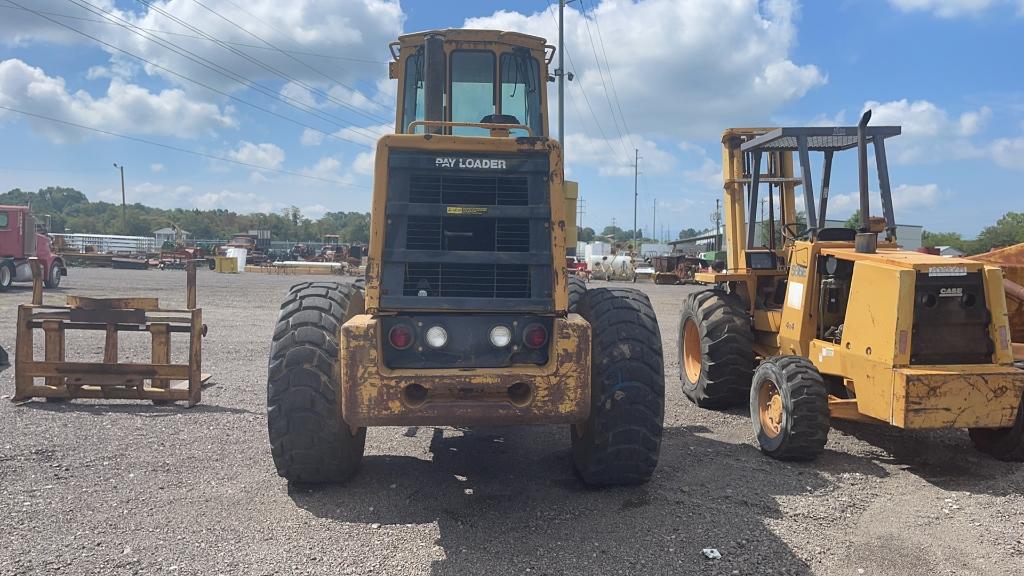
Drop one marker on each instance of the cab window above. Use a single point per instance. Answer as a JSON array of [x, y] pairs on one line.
[[413, 105], [472, 89], [520, 90], [4, 220]]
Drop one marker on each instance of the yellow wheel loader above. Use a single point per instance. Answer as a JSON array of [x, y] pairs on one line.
[[467, 315], [811, 323]]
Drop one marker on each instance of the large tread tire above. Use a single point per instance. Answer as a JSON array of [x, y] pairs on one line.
[[1005, 444], [805, 421], [726, 350], [619, 442], [577, 288], [309, 440]]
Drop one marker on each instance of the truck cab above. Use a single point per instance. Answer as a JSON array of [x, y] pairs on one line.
[[20, 241]]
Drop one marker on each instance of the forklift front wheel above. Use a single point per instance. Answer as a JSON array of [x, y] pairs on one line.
[[789, 408]]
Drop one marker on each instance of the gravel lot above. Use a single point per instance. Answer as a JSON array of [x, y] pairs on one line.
[[108, 487]]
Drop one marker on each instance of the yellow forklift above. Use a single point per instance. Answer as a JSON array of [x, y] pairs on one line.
[[810, 322], [467, 315]]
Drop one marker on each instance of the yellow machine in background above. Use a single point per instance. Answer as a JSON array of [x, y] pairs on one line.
[[840, 323], [467, 316]]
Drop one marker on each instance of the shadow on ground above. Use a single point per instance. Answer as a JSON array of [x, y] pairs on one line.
[[502, 505]]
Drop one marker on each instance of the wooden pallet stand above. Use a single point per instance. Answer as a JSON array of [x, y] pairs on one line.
[[159, 380]]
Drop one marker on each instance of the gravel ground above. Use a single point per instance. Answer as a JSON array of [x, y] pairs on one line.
[[108, 487]]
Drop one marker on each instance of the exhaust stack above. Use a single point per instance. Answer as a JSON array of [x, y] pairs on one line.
[[867, 241]]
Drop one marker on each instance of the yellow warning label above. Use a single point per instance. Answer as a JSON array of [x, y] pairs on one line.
[[467, 210]]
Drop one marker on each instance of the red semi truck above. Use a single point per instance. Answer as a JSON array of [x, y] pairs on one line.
[[19, 241]]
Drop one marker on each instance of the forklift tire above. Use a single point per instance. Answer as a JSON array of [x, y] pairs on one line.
[[716, 350], [52, 279], [6, 275], [789, 408], [577, 288], [309, 441], [1005, 444], [619, 443]]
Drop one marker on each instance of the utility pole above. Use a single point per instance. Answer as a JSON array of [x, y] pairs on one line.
[[581, 209], [561, 76], [636, 194], [124, 207], [717, 217], [654, 219]]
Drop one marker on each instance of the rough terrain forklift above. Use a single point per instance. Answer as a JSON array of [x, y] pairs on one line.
[[467, 316], [839, 323]]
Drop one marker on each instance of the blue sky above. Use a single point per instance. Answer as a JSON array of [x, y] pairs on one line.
[[681, 71]]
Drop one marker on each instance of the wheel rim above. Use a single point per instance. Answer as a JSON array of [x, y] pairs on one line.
[[769, 408], [55, 276], [5, 276], [692, 356]]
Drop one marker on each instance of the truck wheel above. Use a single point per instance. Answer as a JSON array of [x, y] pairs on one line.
[[309, 440], [6, 275], [716, 350], [619, 442], [789, 408], [1002, 443], [577, 288], [52, 279]]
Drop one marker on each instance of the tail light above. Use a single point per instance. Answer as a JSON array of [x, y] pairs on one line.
[[535, 336], [400, 336]]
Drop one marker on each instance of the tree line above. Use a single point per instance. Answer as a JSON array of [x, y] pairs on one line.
[[67, 210]]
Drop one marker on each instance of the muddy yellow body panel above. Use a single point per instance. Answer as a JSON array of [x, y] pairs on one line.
[[374, 395]]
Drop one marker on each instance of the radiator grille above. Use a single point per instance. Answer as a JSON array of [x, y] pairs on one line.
[[474, 234], [423, 233], [475, 190], [467, 280]]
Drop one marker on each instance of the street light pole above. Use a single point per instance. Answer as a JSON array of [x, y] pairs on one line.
[[636, 194], [124, 207]]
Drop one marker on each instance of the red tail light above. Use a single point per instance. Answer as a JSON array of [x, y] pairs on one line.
[[535, 336], [400, 336]]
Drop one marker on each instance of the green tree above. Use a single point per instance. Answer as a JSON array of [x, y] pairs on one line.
[[1007, 231], [932, 239], [586, 234], [687, 233], [853, 222]]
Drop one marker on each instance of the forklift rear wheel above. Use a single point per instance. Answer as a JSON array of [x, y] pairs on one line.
[[716, 349], [1002, 443], [6, 275], [309, 440], [789, 408], [619, 443]]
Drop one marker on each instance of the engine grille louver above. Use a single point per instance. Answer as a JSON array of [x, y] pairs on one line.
[[467, 280], [475, 190]]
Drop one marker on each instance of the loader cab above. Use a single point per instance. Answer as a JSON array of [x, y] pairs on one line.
[[473, 77]]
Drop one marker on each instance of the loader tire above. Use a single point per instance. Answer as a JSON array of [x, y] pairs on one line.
[[1005, 444], [789, 408], [577, 288], [619, 442], [716, 350], [309, 440]]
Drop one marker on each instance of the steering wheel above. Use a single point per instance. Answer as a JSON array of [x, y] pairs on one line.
[[792, 231]]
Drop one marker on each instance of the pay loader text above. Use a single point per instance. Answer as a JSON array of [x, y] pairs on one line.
[[470, 163]]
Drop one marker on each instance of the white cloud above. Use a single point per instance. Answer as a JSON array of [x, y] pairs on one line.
[[241, 202], [327, 168], [929, 133], [905, 198], [615, 157], [125, 107], [953, 8], [265, 155], [157, 167], [1008, 152], [681, 68], [311, 137], [363, 164]]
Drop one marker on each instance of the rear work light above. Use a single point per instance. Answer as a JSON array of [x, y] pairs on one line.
[[400, 336], [535, 336]]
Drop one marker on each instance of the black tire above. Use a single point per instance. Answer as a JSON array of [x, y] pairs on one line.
[[619, 443], [1005, 444], [52, 279], [309, 440], [716, 368], [577, 288], [802, 422], [6, 275]]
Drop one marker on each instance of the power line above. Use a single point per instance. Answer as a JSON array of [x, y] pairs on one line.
[[600, 71], [611, 78], [151, 5], [179, 149], [587, 100], [204, 62], [184, 77], [197, 37], [254, 35]]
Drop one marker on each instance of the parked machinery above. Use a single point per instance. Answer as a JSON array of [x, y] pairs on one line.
[[20, 241], [467, 317], [839, 323]]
